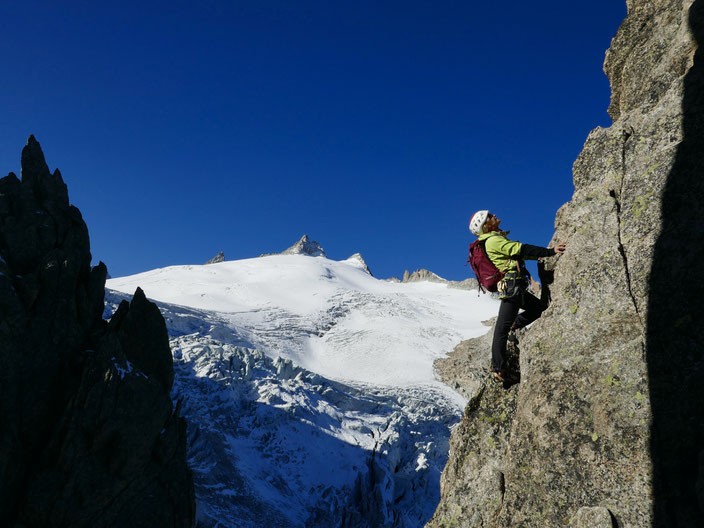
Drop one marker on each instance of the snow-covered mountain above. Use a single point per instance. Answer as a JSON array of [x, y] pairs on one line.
[[308, 387]]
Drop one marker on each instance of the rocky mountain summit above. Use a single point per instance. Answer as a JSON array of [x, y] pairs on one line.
[[88, 433], [421, 275], [358, 258], [220, 257], [305, 246], [606, 426], [424, 275]]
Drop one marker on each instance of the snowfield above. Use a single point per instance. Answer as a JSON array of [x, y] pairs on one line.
[[308, 387]]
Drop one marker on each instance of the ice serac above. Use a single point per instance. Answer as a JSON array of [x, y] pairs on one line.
[[88, 433], [606, 427]]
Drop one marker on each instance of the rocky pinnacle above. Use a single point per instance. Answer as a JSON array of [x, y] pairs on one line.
[[88, 433]]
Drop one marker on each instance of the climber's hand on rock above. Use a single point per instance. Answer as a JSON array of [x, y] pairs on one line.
[[560, 248]]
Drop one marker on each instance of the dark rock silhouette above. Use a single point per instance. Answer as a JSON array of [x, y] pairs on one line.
[[88, 435], [675, 342]]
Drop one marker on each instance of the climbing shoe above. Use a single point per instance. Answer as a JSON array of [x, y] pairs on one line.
[[503, 376]]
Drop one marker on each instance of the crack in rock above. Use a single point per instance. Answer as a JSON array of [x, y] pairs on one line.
[[621, 249]]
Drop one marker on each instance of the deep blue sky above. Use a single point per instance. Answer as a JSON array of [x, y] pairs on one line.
[[187, 128]]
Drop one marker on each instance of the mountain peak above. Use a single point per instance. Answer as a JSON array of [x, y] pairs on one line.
[[305, 246], [422, 275], [220, 257], [358, 260]]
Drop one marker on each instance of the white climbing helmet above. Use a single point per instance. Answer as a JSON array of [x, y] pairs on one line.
[[477, 222]]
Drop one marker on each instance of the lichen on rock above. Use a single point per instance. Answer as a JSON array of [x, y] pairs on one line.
[[608, 414]]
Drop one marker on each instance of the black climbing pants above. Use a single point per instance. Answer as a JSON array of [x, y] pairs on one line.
[[508, 314]]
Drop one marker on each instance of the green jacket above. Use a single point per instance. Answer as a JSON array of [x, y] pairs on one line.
[[501, 251]]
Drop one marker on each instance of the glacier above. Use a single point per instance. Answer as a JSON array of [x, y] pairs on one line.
[[309, 389]]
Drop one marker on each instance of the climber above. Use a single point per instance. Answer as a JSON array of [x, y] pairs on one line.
[[508, 257]]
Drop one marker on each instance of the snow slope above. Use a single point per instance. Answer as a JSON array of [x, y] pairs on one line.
[[309, 389]]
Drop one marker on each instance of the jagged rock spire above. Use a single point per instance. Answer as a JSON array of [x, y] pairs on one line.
[[37, 177], [86, 409]]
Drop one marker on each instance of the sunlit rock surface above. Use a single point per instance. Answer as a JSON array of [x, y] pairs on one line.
[[607, 421]]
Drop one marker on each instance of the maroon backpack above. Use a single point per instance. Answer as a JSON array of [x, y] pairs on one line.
[[487, 274]]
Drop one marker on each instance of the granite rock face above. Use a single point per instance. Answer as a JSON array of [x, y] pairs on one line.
[[607, 422], [465, 368], [593, 517], [88, 435]]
